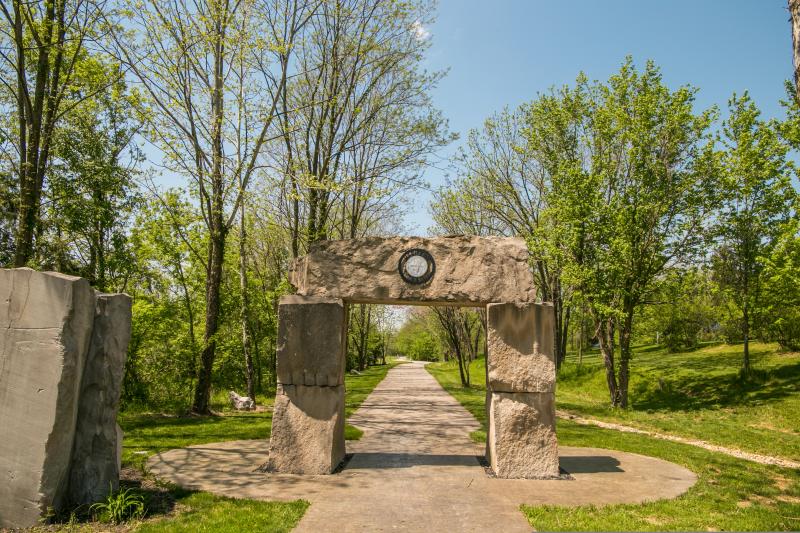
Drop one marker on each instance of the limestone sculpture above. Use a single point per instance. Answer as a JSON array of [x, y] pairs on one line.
[[62, 355]]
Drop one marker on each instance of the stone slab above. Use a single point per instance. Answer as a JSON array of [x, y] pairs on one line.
[[307, 430], [520, 347], [470, 271], [521, 438], [310, 348], [47, 322], [95, 469]]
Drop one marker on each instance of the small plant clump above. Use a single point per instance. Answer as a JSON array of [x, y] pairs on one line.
[[119, 507]]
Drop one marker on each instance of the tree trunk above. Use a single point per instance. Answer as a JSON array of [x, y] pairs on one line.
[[216, 255], [245, 311], [625, 337], [794, 11], [605, 334], [746, 332], [217, 229]]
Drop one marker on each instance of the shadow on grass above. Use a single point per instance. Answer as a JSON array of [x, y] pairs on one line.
[[702, 391]]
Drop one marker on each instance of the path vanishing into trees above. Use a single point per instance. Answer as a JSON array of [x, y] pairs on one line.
[[416, 469]]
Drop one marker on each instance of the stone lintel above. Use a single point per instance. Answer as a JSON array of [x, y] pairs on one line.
[[470, 271]]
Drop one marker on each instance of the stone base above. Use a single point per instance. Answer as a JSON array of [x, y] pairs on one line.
[[307, 430], [521, 441]]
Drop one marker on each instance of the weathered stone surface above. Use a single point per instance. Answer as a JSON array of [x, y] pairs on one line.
[[470, 271], [47, 322], [241, 403], [520, 347], [310, 347], [307, 430], [94, 469], [521, 440]]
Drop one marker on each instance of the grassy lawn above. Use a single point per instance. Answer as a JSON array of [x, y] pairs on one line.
[[731, 494], [150, 433], [699, 394], [207, 512]]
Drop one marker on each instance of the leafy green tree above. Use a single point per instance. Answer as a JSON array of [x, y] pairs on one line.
[[43, 49], [92, 188], [758, 199], [213, 74], [685, 309], [781, 293]]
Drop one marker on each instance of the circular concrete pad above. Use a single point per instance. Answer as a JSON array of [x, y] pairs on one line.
[[416, 469]]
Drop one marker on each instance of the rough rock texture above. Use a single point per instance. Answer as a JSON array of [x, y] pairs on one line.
[[470, 271], [520, 342], [241, 403], [521, 440], [47, 322], [307, 430], [311, 341], [95, 469]]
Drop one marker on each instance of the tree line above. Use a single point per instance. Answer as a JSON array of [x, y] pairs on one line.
[[185, 152], [645, 216]]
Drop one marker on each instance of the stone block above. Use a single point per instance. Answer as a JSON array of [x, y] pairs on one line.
[[47, 323], [520, 347], [470, 271], [521, 439], [310, 349], [241, 403], [95, 469], [307, 430]]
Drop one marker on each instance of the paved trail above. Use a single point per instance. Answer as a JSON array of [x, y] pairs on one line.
[[415, 469]]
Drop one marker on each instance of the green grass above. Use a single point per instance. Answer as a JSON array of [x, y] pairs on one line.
[[150, 433], [699, 394], [207, 512], [731, 494]]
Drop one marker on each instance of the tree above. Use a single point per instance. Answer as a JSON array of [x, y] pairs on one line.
[[43, 44], [781, 294], [213, 73], [363, 124], [92, 193], [758, 199]]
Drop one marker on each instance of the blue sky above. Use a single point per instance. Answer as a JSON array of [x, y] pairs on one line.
[[504, 52]]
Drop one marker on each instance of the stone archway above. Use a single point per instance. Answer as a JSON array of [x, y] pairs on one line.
[[491, 272]]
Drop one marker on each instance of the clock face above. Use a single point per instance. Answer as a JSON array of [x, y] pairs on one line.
[[416, 266]]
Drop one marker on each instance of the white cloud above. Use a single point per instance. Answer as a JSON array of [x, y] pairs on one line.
[[420, 31]]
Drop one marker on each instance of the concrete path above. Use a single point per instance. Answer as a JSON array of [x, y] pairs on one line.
[[416, 469]]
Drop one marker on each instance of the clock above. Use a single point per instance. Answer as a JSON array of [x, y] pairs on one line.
[[416, 266]]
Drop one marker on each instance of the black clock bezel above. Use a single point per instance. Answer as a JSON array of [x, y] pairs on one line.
[[416, 280]]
